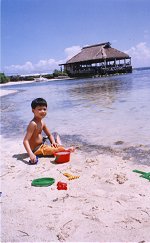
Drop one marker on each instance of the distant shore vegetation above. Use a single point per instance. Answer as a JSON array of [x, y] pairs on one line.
[[56, 74], [3, 78], [17, 78]]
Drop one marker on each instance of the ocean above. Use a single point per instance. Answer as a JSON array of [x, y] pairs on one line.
[[106, 111]]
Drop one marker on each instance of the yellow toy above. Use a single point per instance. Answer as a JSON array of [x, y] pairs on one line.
[[70, 177]]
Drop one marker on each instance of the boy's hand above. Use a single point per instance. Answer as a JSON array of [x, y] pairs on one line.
[[33, 158], [55, 145]]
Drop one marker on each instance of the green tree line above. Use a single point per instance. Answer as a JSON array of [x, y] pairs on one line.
[[3, 78], [15, 78]]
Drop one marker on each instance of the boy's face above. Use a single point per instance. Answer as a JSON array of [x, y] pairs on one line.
[[40, 111]]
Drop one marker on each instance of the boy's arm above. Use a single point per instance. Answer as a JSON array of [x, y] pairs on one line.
[[30, 130], [50, 136]]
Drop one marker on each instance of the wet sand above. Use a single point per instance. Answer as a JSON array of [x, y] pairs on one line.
[[107, 203], [4, 92]]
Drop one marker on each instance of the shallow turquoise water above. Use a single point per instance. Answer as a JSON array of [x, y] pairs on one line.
[[99, 111]]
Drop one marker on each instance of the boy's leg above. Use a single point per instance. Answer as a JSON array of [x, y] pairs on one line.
[[57, 138], [49, 150]]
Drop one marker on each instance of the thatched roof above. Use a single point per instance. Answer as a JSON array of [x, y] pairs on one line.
[[97, 52]]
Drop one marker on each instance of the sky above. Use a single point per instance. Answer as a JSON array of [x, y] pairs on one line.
[[37, 35]]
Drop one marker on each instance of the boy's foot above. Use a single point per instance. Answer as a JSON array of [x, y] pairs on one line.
[[70, 149]]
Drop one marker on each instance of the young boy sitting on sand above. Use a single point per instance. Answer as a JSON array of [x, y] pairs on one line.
[[33, 140]]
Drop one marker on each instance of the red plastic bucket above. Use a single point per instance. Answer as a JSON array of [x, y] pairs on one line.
[[62, 157]]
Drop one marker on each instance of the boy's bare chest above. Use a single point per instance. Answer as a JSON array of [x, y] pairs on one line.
[[39, 128]]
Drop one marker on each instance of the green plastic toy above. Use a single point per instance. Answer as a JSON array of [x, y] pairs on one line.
[[46, 181], [145, 175]]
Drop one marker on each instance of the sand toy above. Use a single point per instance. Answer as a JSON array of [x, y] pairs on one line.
[[30, 162], [41, 182], [62, 157], [70, 176], [61, 185], [145, 175]]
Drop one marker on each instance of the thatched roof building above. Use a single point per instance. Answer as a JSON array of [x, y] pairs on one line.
[[99, 59]]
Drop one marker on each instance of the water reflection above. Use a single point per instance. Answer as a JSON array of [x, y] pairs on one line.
[[12, 125], [102, 110], [102, 92]]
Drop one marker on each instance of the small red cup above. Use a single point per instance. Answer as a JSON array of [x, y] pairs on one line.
[[61, 185]]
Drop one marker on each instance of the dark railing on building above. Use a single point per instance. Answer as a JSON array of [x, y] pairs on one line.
[[98, 60]]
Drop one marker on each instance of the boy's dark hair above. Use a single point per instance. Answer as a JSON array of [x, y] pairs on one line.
[[38, 102]]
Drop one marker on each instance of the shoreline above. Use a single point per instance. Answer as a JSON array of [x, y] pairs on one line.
[[107, 203], [4, 92]]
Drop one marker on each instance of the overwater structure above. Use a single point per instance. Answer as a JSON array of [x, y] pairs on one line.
[[98, 60]]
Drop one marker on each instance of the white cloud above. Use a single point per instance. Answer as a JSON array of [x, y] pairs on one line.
[[30, 68], [72, 51], [140, 55], [43, 66]]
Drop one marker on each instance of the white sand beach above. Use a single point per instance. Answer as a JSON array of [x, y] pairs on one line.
[[107, 203], [4, 91]]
